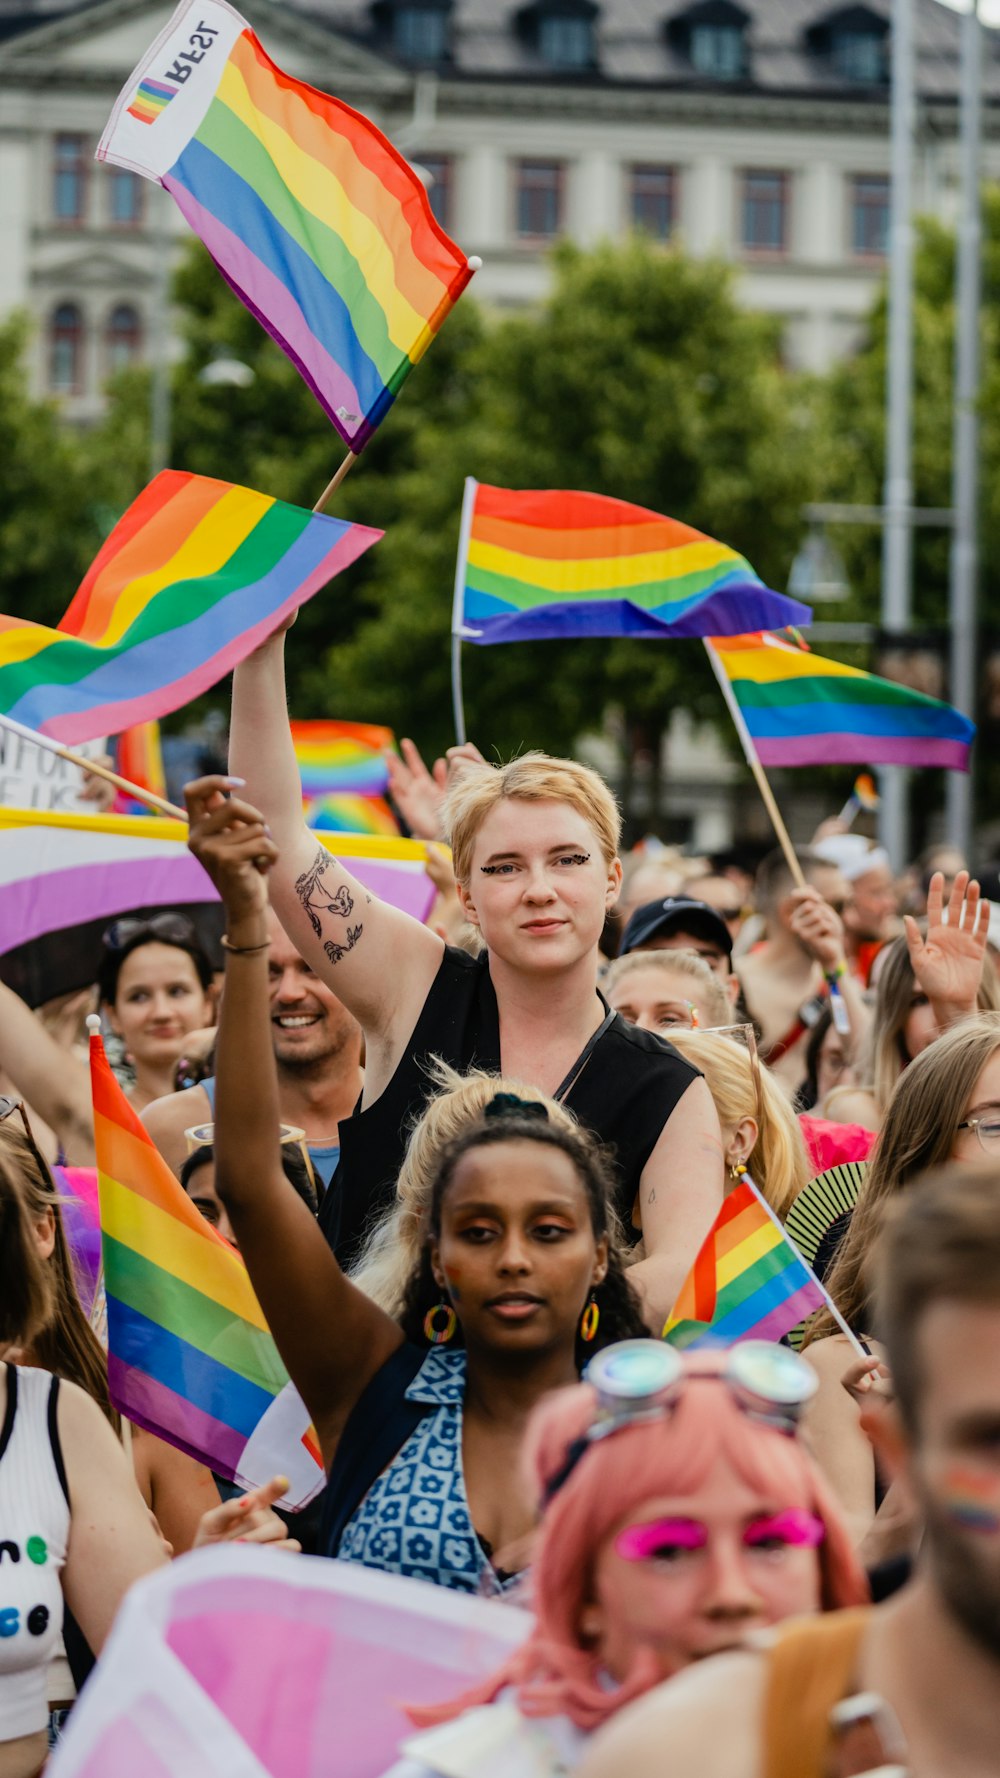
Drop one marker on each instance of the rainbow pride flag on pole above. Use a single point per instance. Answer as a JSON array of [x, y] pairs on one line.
[[314, 219], [190, 1356], [193, 578], [749, 1282], [793, 708], [344, 775], [538, 566]]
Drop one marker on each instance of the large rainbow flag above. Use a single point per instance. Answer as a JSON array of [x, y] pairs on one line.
[[748, 1281], [536, 566], [190, 1356], [314, 219], [800, 710], [344, 775], [194, 577]]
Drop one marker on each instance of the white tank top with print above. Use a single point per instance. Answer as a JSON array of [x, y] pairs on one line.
[[34, 1530]]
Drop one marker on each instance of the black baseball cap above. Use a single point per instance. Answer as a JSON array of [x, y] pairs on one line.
[[676, 914]]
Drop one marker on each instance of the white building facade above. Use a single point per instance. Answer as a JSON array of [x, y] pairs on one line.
[[758, 137]]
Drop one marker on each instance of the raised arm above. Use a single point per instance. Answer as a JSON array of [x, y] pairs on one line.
[[379, 962], [331, 1337], [948, 963], [55, 1083]]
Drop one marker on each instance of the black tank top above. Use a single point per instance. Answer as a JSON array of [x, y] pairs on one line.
[[624, 1096]]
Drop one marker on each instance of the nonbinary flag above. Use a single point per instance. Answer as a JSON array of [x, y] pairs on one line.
[[533, 566], [319, 225]]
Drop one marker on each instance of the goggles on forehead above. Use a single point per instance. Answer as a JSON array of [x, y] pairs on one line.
[[639, 1380]]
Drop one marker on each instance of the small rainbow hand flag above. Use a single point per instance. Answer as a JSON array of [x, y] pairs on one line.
[[190, 1356], [748, 1281], [538, 566], [320, 227], [798, 709], [194, 577], [344, 776]]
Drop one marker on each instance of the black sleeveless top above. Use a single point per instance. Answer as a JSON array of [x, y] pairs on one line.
[[624, 1096]]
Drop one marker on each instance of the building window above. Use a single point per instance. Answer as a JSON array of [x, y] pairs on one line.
[[765, 212], [539, 199], [566, 42], [859, 56], [70, 185], [870, 215], [123, 339], [438, 179], [420, 33], [717, 51], [65, 350], [125, 200], [653, 201]]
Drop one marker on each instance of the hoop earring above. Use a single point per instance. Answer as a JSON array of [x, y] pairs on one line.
[[439, 1336], [590, 1320]]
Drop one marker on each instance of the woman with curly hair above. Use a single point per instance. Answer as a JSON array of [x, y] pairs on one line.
[[419, 1420]]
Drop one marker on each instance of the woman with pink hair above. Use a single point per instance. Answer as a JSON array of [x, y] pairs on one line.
[[680, 1514]]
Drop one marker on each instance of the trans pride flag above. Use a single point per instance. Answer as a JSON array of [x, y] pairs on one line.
[[798, 709], [193, 578], [190, 1356], [533, 566], [748, 1282], [318, 224]]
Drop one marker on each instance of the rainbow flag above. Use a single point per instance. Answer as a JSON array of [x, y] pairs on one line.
[[797, 709], [190, 1356], [193, 577], [152, 98], [344, 775], [139, 758], [537, 566], [322, 229], [748, 1281]]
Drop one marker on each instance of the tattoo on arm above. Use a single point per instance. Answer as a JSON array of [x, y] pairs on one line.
[[317, 900]]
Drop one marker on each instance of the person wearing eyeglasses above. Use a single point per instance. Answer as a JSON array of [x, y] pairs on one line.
[[154, 987], [680, 1515], [946, 1107]]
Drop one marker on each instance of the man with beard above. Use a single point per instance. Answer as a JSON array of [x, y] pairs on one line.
[[317, 1046], [912, 1684]]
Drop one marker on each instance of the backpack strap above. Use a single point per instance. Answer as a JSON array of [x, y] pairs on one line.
[[810, 1668], [378, 1426]]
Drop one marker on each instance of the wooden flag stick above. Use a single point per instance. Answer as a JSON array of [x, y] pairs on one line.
[[93, 765], [334, 484], [753, 761]]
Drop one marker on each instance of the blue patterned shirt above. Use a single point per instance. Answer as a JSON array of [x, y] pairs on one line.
[[415, 1518]]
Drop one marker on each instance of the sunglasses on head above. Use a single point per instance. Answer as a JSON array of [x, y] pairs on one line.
[[173, 928], [639, 1380]]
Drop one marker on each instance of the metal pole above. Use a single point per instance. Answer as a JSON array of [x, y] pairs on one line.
[[159, 353], [898, 493], [965, 466]]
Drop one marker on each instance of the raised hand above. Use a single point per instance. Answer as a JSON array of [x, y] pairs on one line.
[[948, 963], [248, 1520], [817, 926], [417, 793], [232, 843]]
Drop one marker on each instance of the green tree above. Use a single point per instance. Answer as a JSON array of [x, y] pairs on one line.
[[50, 504]]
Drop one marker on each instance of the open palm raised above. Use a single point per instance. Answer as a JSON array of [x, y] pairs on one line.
[[948, 963]]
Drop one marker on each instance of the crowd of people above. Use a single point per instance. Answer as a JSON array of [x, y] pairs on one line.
[[469, 1165]]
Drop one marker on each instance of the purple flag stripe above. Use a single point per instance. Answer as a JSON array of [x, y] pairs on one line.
[[862, 750], [161, 1411]]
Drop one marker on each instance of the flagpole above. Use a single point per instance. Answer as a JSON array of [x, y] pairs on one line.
[[458, 607], [334, 483], [141, 794], [753, 761], [831, 1305]]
